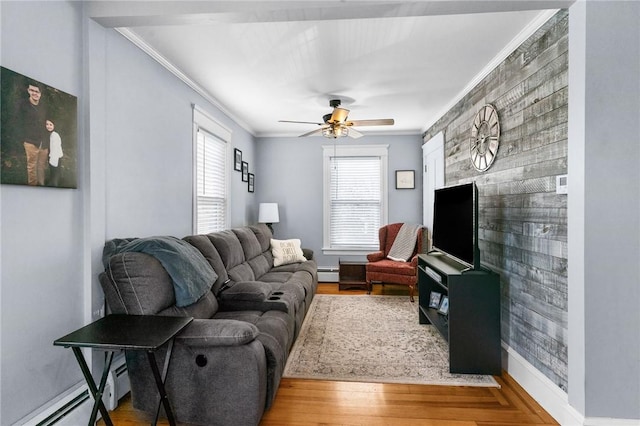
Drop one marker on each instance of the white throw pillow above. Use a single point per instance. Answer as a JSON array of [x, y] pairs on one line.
[[286, 251]]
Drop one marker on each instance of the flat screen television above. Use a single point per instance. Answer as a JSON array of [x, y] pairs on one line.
[[455, 223]]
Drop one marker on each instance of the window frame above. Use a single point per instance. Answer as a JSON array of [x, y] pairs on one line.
[[329, 151], [202, 120]]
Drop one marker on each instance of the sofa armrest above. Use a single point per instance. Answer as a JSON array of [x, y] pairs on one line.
[[414, 261], [375, 256], [246, 291], [218, 332], [308, 253], [253, 296]]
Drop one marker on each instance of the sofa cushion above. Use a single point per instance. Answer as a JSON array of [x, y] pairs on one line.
[[261, 264], [389, 266], [140, 284], [204, 308], [191, 274], [137, 284], [249, 242], [286, 251], [228, 246], [205, 245], [242, 272], [264, 235]]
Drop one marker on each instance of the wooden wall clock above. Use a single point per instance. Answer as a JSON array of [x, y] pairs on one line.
[[485, 138]]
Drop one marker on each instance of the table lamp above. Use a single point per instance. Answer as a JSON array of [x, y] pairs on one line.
[[268, 213]]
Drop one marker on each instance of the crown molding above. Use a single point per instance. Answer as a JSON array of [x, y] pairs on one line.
[[164, 62]]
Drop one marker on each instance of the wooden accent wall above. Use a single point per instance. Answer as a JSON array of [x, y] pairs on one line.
[[523, 222]]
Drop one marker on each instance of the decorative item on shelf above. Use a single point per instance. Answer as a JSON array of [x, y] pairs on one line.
[[237, 159], [434, 299], [444, 306], [405, 179], [245, 171], [251, 182], [268, 213]]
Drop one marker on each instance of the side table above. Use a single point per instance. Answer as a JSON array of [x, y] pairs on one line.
[[352, 274], [131, 332]]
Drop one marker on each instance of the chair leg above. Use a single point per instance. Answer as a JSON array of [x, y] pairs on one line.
[[369, 287], [411, 287]]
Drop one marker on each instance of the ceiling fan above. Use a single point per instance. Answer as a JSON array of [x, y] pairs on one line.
[[336, 125]]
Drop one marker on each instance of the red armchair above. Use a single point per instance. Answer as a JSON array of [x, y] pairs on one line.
[[379, 268]]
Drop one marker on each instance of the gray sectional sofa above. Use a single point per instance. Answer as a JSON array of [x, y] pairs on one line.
[[227, 364]]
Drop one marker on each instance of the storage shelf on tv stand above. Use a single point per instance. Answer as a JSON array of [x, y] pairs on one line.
[[472, 325]]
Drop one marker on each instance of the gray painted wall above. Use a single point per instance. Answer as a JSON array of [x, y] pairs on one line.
[[149, 153], [290, 173], [612, 210], [42, 229], [135, 160]]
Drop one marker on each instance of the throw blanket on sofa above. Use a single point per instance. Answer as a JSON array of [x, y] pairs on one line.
[[405, 242], [190, 272]]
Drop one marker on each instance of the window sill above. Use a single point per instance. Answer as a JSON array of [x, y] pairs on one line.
[[345, 251]]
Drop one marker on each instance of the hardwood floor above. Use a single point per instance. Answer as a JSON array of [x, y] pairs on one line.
[[319, 402]]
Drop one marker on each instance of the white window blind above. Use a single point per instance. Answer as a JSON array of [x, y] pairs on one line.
[[355, 197], [211, 196], [356, 201]]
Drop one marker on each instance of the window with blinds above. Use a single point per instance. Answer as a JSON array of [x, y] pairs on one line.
[[211, 201], [211, 197], [355, 197]]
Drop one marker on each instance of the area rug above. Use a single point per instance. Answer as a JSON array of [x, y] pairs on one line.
[[367, 338]]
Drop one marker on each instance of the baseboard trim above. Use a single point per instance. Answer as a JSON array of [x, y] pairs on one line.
[[71, 408], [603, 421], [328, 276], [553, 399]]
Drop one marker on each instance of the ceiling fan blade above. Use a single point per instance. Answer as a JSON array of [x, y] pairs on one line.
[[313, 132], [338, 115], [353, 133], [378, 122], [300, 122]]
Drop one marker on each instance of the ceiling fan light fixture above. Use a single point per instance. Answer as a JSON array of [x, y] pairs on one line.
[[335, 132]]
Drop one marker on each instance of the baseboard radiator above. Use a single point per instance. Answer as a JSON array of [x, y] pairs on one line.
[[74, 407], [328, 274], [117, 383], [70, 409]]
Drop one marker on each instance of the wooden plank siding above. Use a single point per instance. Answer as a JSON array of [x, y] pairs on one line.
[[522, 221]]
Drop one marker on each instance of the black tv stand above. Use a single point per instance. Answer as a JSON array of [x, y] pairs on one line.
[[472, 325]]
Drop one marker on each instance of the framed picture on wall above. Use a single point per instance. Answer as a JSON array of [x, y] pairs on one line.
[[405, 179], [38, 133], [245, 171], [237, 159], [251, 181]]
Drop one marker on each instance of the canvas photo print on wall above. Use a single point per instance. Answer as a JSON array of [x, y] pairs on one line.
[[38, 133]]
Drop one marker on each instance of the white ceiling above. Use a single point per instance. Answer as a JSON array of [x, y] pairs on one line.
[[264, 61]]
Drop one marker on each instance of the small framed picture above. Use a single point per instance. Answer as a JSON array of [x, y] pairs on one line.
[[251, 180], [444, 306], [434, 299], [237, 159], [245, 171], [405, 179]]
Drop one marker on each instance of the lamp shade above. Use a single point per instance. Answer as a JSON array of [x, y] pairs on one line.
[[268, 213]]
